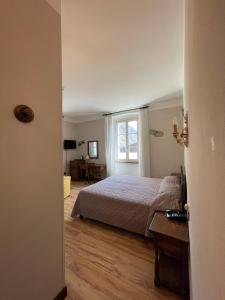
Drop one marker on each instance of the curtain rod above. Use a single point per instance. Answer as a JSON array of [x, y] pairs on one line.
[[126, 110]]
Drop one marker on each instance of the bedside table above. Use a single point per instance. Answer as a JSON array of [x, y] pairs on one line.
[[171, 241]]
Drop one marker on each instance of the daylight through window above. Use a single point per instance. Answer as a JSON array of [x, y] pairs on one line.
[[127, 140]]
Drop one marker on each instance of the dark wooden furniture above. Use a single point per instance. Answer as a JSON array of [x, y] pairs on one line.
[[183, 184], [91, 171], [171, 240], [98, 170], [86, 171], [80, 169], [62, 294], [75, 168]]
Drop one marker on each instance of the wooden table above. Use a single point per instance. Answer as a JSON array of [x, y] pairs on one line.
[[92, 170], [171, 240], [80, 169]]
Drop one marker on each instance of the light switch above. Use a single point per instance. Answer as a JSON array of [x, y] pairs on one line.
[[213, 146]]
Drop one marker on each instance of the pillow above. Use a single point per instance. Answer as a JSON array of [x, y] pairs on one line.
[[171, 185], [169, 180]]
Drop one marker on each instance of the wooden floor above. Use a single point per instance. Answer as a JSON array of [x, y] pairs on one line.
[[104, 263]]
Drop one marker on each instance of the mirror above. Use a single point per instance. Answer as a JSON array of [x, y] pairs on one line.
[[93, 149]]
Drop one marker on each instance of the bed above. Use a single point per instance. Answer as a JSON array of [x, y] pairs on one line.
[[128, 202]]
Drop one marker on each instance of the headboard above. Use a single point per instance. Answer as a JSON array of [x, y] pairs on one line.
[[183, 188]]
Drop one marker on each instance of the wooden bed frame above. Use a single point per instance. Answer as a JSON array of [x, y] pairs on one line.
[[183, 188]]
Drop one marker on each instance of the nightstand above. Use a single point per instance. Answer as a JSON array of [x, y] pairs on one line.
[[171, 241]]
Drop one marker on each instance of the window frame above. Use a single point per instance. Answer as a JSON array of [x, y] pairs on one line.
[[127, 160]]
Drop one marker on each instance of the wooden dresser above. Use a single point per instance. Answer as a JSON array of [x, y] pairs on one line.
[[75, 168]]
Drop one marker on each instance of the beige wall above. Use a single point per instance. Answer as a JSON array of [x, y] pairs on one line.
[[166, 155], [95, 130], [31, 206], [88, 131], [205, 157], [126, 169], [69, 133]]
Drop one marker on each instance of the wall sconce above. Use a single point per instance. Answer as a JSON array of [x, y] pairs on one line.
[[156, 133], [181, 138], [81, 142]]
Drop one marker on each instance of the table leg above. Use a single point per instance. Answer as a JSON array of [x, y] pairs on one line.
[[156, 280], [88, 179], [184, 288]]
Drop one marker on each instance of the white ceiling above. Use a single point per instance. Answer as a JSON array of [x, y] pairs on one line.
[[119, 54]]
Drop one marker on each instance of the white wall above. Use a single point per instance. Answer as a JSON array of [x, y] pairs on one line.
[[205, 156], [69, 133], [126, 169], [31, 206], [166, 155], [89, 131]]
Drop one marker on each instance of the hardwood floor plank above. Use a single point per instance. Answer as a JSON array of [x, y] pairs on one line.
[[104, 263]]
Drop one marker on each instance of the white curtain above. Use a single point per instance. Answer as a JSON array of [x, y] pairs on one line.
[[144, 143], [109, 144]]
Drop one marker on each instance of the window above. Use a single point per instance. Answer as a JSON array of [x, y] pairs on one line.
[[127, 140]]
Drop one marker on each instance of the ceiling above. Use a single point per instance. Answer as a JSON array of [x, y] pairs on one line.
[[119, 54]]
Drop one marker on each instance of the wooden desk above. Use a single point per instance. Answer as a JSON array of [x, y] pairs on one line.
[[98, 170], [92, 171], [171, 240], [80, 169]]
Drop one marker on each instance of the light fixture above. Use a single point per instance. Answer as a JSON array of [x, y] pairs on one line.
[[81, 142], [156, 133], [181, 138]]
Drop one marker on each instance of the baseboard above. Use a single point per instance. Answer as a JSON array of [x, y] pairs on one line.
[[62, 294]]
